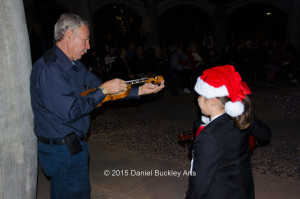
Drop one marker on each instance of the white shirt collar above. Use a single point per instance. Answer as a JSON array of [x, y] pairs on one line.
[[207, 120]]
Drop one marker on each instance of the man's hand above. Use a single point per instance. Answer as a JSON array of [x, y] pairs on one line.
[[149, 88], [114, 86]]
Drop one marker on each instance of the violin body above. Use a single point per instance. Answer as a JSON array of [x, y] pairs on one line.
[[252, 143], [109, 97], [156, 80]]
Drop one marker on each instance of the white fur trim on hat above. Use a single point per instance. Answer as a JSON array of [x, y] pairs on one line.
[[234, 109], [208, 91]]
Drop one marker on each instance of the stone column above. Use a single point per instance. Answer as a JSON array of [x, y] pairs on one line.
[[219, 26], [293, 24], [150, 22], [84, 12], [18, 145]]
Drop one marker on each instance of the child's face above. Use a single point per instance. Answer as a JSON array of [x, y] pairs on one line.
[[204, 105]]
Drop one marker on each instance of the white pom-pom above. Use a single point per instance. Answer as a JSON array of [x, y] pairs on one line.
[[234, 109]]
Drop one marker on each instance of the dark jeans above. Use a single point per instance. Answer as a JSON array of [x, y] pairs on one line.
[[68, 174]]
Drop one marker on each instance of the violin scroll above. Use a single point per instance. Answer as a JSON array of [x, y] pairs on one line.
[[156, 80]]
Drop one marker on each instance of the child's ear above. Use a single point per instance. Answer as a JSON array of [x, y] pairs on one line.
[[215, 102], [212, 101]]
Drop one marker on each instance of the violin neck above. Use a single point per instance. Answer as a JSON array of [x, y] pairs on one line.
[[137, 81]]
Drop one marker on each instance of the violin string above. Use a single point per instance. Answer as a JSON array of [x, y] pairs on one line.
[[137, 81]]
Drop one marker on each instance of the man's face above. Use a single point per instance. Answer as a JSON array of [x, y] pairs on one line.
[[79, 43]]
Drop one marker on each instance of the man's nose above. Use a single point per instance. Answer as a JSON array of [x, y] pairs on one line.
[[88, 46]]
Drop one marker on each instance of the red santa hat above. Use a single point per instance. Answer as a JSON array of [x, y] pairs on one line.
[[222, 81]]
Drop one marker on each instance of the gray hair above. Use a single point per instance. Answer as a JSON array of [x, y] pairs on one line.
[[67, 21]]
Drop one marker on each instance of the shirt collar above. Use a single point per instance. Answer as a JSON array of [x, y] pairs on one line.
[[206, 119], [66, 62]]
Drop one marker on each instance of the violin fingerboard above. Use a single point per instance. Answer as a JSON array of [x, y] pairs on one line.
[[137, 81]]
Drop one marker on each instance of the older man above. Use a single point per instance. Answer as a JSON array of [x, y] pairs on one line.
[[61, 115]]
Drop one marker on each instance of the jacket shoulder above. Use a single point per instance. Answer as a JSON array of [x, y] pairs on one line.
[[223, 127]]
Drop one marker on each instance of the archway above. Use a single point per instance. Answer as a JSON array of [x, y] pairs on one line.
[[184, 23], [120, 21], [258, 21], [45, 13]]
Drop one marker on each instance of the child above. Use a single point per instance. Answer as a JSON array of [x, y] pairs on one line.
[[262, 136], [215, 167]]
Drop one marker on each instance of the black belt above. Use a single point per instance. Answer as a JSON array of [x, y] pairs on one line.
[[54, 141]]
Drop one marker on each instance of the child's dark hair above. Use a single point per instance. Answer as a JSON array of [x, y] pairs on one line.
[[242, 121]]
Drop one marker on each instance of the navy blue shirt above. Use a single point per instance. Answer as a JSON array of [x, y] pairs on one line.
[[55, 85]]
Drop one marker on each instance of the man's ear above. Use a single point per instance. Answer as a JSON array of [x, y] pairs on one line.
[[69, 34]]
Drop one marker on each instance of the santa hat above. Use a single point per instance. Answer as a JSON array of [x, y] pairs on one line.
[[222, 81]]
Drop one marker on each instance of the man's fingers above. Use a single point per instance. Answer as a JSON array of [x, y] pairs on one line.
[[115, 86]]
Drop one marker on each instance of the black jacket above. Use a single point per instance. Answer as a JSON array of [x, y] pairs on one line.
[[216, 162], [262, 135]]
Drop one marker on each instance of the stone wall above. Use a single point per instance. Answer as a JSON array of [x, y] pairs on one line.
[[18, 146]]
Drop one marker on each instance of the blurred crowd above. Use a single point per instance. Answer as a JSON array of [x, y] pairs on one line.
[[180, 63], [266, 60]]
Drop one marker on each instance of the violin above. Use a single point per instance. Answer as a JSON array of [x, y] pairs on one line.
[[252, 143], [156, 80]]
